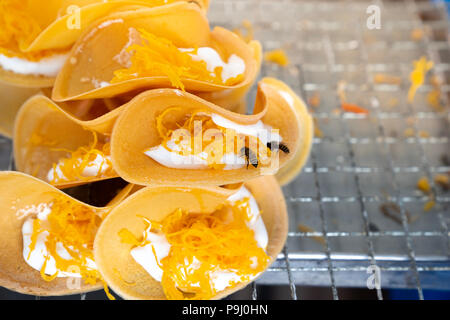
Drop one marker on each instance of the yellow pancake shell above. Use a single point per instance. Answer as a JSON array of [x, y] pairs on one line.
[[136, 131], [57, 129], [127, 278], [288, 173], [63, 31], [18, 191], [25, 81], [63, 22], [93, 59], [12, 100]]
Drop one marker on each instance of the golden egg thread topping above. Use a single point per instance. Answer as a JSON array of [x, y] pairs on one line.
[[157, 56], [202, 246]]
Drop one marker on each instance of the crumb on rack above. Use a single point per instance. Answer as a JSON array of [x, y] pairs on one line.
[[434, 96], [429, 205], [392, 211], [314, 100], [443, 181], [317, 132], [409, 132], [383, 78], [353, 108], [417, 34], [434, 100], [277, 56], [337, 111], [306, 229], [341, 87], [392, 103], [423, 134], [348, 107], [424, 185]]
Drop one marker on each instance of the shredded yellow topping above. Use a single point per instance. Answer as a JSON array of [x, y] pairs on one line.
[[202, 244], [278, 56], [157, 56], [18, 29], [74, 227], [72, 168], [18, 26], [417, 76], [191, 136]]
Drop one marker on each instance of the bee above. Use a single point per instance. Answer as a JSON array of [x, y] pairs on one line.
[[250, 157], [273, 146]]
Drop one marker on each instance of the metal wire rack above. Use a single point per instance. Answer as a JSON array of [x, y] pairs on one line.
[[359, 162]]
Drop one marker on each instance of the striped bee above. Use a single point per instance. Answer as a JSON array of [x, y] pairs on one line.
[[273, 146], [250, 157]]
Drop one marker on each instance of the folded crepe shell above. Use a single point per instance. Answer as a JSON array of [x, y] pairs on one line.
[[123, 194], [12, 100], [294, 166], [17, 192], [56, 129], [26, 81], [127, 278], [96, 56], [63, 22], [136, 131], [58, 34]]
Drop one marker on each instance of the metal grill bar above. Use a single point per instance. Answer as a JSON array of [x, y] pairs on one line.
[[411, 252], [409, 245], [368, 233], [324, 230], [289, 274]]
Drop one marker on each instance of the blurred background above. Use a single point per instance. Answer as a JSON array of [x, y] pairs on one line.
[[369, 216]]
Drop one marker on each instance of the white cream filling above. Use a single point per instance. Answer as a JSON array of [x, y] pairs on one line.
[[259, 130], [38, 256], [175, 160], [256, 222], [146, 258], [231, 69], [49, 66], [221, 279], [95, 168], [232, 161]]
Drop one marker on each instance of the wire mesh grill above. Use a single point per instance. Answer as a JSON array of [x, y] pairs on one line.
[[360, 162]]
